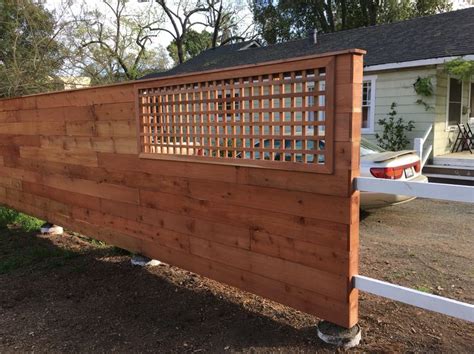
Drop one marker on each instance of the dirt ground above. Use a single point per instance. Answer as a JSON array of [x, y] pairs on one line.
[[67, 294]]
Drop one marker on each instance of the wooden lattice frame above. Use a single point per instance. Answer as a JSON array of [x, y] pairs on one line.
[[238, 117]]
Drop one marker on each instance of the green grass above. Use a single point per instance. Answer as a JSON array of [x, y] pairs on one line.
[[21, 249], [102, 245], [35, 256], [10, 217], [424, 289]]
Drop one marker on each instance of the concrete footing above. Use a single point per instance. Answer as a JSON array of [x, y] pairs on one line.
[[339, 336], [51, 229], [142, 261]]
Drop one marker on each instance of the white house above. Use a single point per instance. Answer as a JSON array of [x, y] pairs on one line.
[[398, 54]]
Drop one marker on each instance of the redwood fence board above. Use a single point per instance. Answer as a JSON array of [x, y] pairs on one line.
[[91, 160]]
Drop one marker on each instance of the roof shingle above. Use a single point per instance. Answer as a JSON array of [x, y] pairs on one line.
[[436, 36]]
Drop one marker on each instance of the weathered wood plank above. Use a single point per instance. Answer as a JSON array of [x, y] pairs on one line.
[[131, 162], [81, 128], [318, 232], [91, 188], [302, 252], [324, 207], [286, 180], [115, 111], [19, 140], [236, 236], [78, 157], [72, 158], [136, 229], [33, 128], [116, 129], [295, 274], [301, 299], [74, 199], [86, 97], [11, 183]]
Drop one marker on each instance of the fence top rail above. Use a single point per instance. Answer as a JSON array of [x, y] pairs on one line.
[[442, 191], [246, 66], [257, 69]]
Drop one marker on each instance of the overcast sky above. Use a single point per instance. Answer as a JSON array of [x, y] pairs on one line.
[[164, 38]]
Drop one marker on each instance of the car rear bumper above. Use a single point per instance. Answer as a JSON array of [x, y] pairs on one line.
[[370, 200]]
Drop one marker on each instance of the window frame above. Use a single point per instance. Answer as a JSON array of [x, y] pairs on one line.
[[471, 99], [448, 93], [371, 116]]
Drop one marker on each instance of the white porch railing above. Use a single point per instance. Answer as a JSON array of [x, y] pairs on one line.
[[442, 191], [409, 296], [419, 146]]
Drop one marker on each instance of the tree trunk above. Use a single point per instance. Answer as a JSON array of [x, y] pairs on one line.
[[217, 26], [343, 5], [329, 15], [179, 46]]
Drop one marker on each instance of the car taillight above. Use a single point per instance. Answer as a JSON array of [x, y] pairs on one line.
[[387, 172], [417, 166], [393, 172]]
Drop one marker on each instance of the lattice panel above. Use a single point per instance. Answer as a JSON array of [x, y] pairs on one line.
[[279, 118]]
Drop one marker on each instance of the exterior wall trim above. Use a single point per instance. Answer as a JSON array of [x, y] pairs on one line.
[[373, 95], [450, 128], [414, 63]]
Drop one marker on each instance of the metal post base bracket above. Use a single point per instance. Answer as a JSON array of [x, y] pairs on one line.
[[339, 336], [51, 229], [142, 261]]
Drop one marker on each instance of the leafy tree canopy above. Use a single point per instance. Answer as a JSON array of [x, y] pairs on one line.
[[194, 43], [116, 49], [461, 68], [30, 55], [282, 20]]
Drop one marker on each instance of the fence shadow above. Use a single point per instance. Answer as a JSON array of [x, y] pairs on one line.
[[94, 300]]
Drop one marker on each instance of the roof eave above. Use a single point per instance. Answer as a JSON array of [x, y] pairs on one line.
[[414, 63], [238, 67]]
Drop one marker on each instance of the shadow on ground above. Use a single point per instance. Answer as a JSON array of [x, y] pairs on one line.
[[60, 293], [63, 294]]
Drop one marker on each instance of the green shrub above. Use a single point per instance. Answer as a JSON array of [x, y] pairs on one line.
[[17, 219], [424, 88], [460, 68], [394, 136]]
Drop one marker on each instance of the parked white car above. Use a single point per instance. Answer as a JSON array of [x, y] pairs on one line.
[[374, 162], [397, 165]]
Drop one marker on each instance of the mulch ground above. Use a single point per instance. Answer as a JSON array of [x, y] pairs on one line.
[[67, 294]]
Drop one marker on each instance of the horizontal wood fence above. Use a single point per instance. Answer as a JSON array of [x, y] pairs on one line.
[[271, 211]]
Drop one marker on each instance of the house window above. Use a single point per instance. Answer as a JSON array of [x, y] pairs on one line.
[[455, 102], [368, 104]]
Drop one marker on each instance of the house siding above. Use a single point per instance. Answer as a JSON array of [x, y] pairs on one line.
[[397, 86], [445, 137]]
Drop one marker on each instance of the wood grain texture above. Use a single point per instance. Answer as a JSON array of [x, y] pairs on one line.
[[290, 235], [282, 120]]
